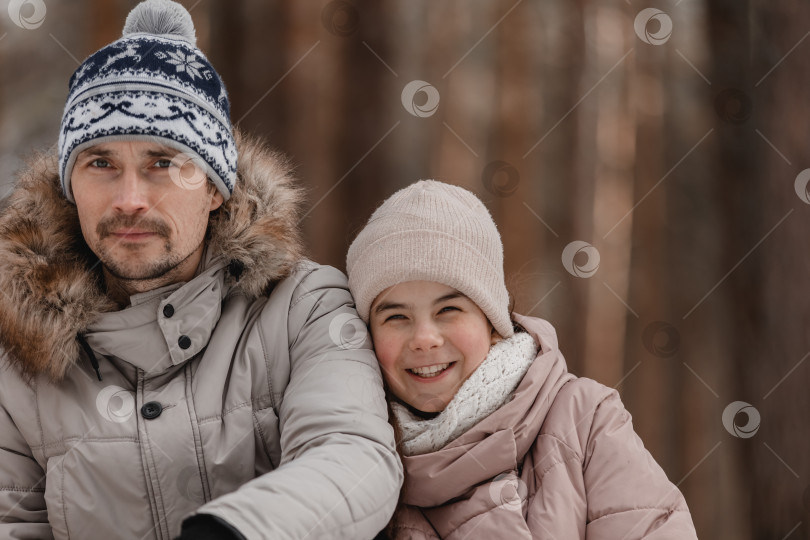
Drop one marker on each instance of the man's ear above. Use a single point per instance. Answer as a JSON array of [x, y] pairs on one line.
[[216, 200]]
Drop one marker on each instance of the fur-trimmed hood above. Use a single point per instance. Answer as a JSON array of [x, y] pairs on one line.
[[51, 285]]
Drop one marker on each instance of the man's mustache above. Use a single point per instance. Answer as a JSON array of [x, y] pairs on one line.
[[106, 227]]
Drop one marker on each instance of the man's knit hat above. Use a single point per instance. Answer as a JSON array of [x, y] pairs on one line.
[[152, 84], [431, 231]]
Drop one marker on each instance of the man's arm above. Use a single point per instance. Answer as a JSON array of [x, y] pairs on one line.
[[339, 475], [22, 485]]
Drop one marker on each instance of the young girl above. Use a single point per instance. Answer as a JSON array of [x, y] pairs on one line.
[[498, 439]]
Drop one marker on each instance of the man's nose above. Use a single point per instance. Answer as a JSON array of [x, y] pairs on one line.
[[131, 193]]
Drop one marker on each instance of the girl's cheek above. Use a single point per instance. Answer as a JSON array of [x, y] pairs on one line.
[[386, 359], [383, 352]]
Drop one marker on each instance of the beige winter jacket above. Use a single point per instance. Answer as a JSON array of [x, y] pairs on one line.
[[250, 393], [560, 461]]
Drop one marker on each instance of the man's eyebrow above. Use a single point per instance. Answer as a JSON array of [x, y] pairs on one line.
[[96, 151], [163, 151]]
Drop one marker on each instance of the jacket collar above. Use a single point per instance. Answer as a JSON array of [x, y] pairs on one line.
[[499, 442], [144, 337], [51, 284]]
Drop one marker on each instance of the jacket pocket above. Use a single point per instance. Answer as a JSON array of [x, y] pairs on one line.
[[268, 440], [55, 496]]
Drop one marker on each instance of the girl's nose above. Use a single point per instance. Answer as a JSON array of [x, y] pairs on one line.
[[426, 336]]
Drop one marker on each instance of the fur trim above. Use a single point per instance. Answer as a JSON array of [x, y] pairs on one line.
[[257, 228], [50, 281]]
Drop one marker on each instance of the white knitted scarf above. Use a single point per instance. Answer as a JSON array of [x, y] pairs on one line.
[[489, 387]]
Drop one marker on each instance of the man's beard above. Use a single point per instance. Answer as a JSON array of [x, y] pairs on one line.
[[148, 270]]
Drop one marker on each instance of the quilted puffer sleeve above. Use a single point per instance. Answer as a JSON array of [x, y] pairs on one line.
[[339, 475], [628, 494]]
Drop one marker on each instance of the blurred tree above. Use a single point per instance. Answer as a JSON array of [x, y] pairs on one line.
[[770, 203]]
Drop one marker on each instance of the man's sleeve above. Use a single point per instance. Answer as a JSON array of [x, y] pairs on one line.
[[22, 486], [340, 474], [629, 495]]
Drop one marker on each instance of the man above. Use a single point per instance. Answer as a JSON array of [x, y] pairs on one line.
[[170, 362]]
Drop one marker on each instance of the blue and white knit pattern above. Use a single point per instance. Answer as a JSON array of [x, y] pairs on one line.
[[151, 87]]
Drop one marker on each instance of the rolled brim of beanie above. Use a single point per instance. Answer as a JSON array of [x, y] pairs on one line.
[[429, 255], [212, 175]]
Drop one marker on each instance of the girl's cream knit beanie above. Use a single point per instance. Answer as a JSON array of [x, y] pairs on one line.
[[431, 231]]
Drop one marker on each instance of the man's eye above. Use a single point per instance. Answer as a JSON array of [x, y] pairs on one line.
[[163, 163], [100, 163]]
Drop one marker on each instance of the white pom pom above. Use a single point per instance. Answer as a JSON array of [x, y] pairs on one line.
[[161, 17]]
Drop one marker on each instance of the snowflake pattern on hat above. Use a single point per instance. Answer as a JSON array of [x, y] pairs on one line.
[[187, 63]]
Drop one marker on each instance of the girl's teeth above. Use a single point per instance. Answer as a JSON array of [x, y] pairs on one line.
[[429, 371]]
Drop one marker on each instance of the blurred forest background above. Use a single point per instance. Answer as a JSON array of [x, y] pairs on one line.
[[669, 139]]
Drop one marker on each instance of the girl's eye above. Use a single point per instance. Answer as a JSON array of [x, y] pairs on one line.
[[448, 308], [395, 317]]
